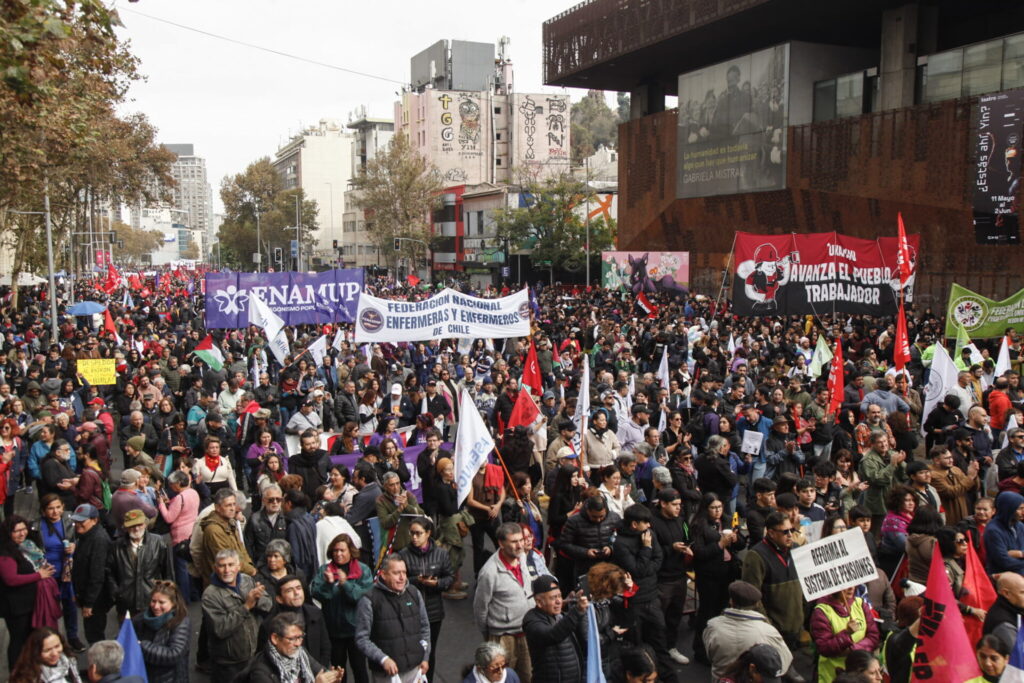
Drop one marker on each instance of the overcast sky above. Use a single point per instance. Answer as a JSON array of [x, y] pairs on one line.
[[236, 103]]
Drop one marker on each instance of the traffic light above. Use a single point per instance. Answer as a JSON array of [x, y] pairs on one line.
[[113, 237], [334, 243], [278, 255], [398, 244]]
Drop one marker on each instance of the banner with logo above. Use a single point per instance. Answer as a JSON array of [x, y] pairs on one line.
[[298, 298], [997, 173], [981, 317], [817, 273], [447, 314]]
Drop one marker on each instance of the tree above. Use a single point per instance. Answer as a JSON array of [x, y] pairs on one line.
[[137, 243], [399, 191], [623, 108], [259, 190], [593, 124], [554, 224]]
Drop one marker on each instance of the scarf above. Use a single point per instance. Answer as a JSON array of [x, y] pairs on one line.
[[61, 672], [33, 554], [294, 668], [212, 463], [353, 571], [156, 623], [479, 677]]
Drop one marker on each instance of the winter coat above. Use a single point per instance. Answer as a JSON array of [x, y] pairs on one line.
[[501, 601], [1004, 533], [263, 670], [674, 565], [220, 534], [301, 536], [312, 467], [641, 562], [339, 600], [881, 476], [555, 645], [952, 486], [90, 573], [394, 522], [435, 562], [919, 550], [781, 595], [580, 535], [231, 628], [715, 475], [165, 652], [314, 625], [259, 532], [735, 631], [134, 577]]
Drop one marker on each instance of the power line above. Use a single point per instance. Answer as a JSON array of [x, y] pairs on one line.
[[262, 48]]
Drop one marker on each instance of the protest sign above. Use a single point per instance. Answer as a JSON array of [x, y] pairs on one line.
[[751, 442], [814, 273], [98, 371], [981, 317], [298, 298], [448, 315], [833, 563]]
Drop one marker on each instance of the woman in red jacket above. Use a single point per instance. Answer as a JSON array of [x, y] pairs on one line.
[[841, 623]]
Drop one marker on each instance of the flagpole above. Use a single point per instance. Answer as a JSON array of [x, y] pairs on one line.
[[507, 474], [725, 276]]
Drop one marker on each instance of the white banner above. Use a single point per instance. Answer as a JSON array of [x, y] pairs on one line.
[[834, 563], [941, 380], [473, 444], [446, 315]]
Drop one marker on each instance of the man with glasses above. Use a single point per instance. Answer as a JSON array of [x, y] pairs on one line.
[[769, 567], [283, 657], [1008, 458], [504, 596], [267, 524]]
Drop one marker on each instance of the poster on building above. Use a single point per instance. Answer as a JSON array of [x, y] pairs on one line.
[[540, 136], [461, 151], [446, 315], [732, 125], [299, 298], [818, 273], [827, 566], [997, 174], [983, 318], [646, 271]]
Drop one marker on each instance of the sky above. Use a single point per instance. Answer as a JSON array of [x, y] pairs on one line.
[[236, 103]]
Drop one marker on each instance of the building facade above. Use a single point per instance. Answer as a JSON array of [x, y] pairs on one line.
[[180, 242], [831, 117], [370, 137]]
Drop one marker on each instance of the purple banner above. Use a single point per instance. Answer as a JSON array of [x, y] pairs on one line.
[[299, 298], [409, 455]]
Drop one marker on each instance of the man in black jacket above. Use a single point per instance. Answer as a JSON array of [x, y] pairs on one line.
[[90, 573], [587, 537], [266, 524], [291, 599], [364, 506], [763, 489], [140, 559], [673, 536], [284, 636], [311, 463], [636, 551], [553, 638]]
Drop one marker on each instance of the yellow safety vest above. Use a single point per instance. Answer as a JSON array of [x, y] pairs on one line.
[[827, 666]]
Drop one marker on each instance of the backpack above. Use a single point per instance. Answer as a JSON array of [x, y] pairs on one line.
[[108, 497], [696, 427]]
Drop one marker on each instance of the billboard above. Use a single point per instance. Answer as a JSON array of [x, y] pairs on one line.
[[461, 135], [646, 271], [818, 273], [540, 133], [997, 174], [732, 125]]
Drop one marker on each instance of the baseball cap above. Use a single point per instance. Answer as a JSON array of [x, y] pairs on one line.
[[134, 518], [548, 394], [396, 388], [130, 476], [544, 583], [84, 512], [567, 452], [766, 660]]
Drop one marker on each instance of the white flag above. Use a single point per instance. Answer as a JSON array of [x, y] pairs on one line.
[[279, 347], [663, 375], [821, 358], [941, 380], [338, 339], [732, 346], [318, 350], [473, 444], [582, 414], [261, 316], [1011, 424], [1003, 359]]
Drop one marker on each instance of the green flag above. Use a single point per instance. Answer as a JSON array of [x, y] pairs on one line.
[[962, 340], [821, 358]]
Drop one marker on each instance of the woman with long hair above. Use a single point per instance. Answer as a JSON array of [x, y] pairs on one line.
[[89, 488], [339, 489], [369, 412], [29, 595], [521, 508], [608, 586], [714, 563], [602, 445], [270, 473], [387, 428], [452, 521], [391, 461], [614, 491], [901, 504], [348, 441], [339, 585], [13, 457], [164, 631], [55, 531], [430, 570], [45, 658], [920, 542]]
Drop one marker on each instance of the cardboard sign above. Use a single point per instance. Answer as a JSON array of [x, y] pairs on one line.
[[98, 371], [834, 563]]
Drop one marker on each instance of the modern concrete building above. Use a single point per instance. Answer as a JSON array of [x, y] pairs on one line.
[[180, 242], [191, 196], [808, 117], [370, 137], [319, 160]]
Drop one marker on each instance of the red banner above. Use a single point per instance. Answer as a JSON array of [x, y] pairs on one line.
[[943, 651], [819, 273]]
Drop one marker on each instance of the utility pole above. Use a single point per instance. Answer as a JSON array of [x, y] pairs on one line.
[[259, 244], [298, 233], [586, 166], [49, 261]]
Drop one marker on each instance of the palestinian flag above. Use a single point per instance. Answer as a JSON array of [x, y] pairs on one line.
[[209, 353]]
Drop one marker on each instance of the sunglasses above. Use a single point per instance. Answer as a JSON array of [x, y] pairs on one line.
[[787, 532], [274, 500]]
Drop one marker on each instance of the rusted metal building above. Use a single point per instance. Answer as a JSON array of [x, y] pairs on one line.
[[879, 108]]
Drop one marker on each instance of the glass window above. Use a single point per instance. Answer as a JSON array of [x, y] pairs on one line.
[[825, 100], [1013, 62], [850, 95], [943, 76], [983, 68]]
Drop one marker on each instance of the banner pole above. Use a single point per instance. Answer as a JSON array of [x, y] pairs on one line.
[[725, 275], [512, 484]]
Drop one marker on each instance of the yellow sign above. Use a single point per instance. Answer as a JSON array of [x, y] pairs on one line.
[[98, 371]]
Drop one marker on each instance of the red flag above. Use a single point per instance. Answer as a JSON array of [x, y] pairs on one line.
[[113, 279], [108, 323], [531, 373], [943, 651], [412, 280], [903, 252], [646, 306], [901, 352], [524, 412], [835, 380], [979, 592]]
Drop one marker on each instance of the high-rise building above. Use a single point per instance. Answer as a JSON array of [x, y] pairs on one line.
[[370, 137], [191, 197]]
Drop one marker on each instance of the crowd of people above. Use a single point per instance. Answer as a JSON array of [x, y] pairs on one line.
[[311, 508]]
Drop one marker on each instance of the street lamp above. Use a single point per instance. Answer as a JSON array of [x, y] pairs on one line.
[[49, 256]]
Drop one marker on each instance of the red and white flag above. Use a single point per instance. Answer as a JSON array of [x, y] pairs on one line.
[[525, 412], [944, 652], [835, 380], [113, 279], [901, 352], [531, 372], [646, 306], [903, 252]]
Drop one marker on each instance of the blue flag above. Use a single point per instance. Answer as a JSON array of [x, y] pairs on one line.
[[133, 665], [594, 672], [1014, 671]]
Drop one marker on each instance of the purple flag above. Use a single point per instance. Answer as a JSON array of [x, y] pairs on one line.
[[298, 298]]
